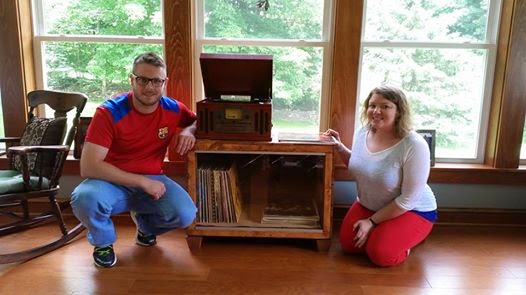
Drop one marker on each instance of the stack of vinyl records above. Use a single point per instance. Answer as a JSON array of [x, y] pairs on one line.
[[218, 195], [291, 212]]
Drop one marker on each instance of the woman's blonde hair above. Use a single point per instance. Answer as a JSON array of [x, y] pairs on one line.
[[403, 113]]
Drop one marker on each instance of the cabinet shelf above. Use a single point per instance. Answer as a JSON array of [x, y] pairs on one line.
[[261, 189]]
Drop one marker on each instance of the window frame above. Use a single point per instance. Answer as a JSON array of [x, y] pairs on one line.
[[40, 37], [325, 43], [489, 45], [507, 99]]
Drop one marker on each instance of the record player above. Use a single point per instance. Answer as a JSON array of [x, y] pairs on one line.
[[238, 91]]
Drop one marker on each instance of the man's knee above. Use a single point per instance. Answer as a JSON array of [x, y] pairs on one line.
[[183, 210], [178, 219], [84, 198], [187, 218], [186, 215]]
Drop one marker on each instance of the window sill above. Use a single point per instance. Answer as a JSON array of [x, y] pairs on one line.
[[462, 174], [72, 167], [440, 173]]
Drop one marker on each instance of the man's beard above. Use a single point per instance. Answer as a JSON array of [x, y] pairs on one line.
[[146, 102]]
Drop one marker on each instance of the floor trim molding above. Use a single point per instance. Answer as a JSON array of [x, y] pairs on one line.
[[464, 216], [446, 216]]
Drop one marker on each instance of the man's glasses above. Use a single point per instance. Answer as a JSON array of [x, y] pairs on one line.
[[143, 81]]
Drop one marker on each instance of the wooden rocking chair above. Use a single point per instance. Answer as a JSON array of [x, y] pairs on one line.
[[36, 160]]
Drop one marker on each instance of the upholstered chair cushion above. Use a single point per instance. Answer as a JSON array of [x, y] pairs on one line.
[[41, 131], [11, 182]]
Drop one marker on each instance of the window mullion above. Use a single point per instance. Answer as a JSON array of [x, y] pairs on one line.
[[493, 21], [100, 39], [328, 11], [251, 42], [200, 20], [437, 45], [38, 11]]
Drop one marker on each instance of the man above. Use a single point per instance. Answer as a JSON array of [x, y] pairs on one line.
[[122, 160]]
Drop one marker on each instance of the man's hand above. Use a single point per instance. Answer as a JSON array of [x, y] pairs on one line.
[[154, 188], [186, 139], [185, 142]]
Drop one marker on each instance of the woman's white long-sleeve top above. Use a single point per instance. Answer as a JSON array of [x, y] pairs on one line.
[[398, 173]]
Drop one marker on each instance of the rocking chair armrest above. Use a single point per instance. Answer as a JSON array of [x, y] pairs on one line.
[[36, 148], [61, 152], [10, 139]]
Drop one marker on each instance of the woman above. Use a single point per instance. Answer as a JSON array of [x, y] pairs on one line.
[[395, 208]]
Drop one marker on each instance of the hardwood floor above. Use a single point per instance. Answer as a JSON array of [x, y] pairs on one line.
[[453, 260]]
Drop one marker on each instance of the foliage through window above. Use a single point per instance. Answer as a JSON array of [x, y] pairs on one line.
[[296, 33], [88, 45], [442, 55]]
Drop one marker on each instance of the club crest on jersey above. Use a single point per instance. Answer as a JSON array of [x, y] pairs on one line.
[[163, 132]]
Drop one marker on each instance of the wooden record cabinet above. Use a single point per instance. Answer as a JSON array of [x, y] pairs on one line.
[[266, 189]]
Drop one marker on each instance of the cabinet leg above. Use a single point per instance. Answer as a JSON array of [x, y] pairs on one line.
[[194, 243], [323, 245]]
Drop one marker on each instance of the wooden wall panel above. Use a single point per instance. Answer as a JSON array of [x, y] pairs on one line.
[[498, 82], [178, 56], [178, 53], [346, 57], [509, 93], [514, 110], [15, 73]]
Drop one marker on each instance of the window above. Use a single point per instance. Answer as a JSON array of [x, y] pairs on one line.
[[88, 45], [442, 55], [297, 34]]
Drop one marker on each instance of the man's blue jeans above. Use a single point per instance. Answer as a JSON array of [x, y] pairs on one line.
[[94, 201]]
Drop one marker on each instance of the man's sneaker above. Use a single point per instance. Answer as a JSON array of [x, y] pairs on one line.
[[145, 240], [142, 239], [104, 256]]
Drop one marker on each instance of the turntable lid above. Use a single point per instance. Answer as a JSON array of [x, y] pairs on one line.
[[237, 74]]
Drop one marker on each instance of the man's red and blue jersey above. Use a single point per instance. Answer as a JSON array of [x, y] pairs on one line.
[[137, 142]]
